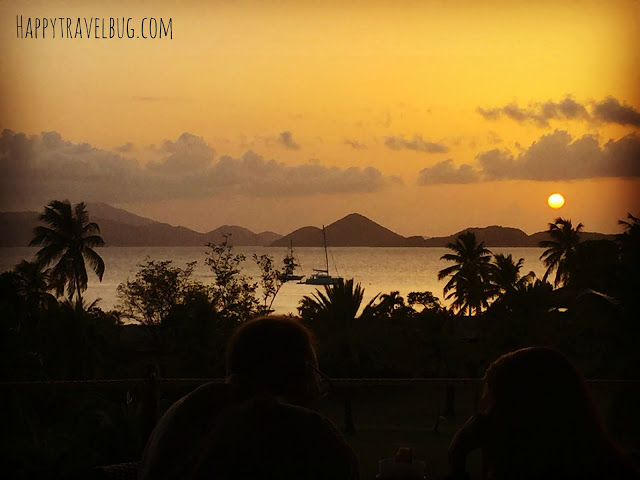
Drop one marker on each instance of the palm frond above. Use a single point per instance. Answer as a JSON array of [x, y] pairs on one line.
[[95, 262]]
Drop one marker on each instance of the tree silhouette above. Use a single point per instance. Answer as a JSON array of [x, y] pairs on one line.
[[560, 253], [68, 241], [469, 284], [234, 294], [333, 314], [158, 288], [32, 284], [505, 274], [630, 240]]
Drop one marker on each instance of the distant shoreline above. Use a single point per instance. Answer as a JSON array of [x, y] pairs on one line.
[[120, 228]]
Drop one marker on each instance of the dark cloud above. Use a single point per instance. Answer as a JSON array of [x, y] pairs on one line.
[[286, 139], [417, 144], [493, 137], [355, 144], [610, 110], [489, 113], [36, 169], [558, 157], [126, 148], [445, 173], [553, 157], [188, 153], [539, 113]]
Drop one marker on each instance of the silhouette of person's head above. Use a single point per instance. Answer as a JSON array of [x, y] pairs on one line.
[[542, 418], [276, 355], [537, 384]]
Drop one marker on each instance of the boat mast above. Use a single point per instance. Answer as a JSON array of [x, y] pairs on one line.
[[326, 257]]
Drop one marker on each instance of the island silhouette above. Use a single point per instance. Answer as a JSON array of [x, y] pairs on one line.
[[120, 228]]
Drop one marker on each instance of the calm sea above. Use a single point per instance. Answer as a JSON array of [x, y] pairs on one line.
[[378, 270]]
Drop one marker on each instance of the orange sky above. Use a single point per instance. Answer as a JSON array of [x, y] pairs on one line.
[[345, 106]]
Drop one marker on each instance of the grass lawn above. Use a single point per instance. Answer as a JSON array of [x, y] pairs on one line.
[[389, 418]]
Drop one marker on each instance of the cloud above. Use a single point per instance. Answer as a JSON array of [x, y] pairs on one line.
[[417, 144], [558, 156], [493, 137], [286, 139], [554, 157], [610, 110], [125, 148], [444, 172], [188, 153], [355, 144], [36, 169]]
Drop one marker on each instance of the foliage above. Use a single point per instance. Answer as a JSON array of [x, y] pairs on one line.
[[234, 294], [505, 274], [271, 280], [388, 305], [32, 284], [560, 253], [629, 242], [469, 284], [427, 300], [331, 314], [338, 303], [68, 241], [157, 289]]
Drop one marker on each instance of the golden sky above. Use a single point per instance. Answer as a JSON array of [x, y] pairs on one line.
[[426, 116]]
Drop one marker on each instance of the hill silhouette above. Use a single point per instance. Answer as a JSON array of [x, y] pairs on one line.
[[497, 236], [354, 230], [493, 236], [121, 228]]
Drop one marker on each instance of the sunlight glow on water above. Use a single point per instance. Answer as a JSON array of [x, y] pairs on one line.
[[379, 270]]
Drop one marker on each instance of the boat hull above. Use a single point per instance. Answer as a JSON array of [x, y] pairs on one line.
[[291, 278], [323, 281]]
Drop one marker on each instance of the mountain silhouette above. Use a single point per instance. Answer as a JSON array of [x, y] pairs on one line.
[[354, 230], [497, 236], [121, 228]]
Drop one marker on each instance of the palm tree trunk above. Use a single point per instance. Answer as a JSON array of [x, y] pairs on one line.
[[77, 281], [349, 424]]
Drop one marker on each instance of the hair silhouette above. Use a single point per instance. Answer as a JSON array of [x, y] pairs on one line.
[[276, 355], [269, 432], [541, 421]]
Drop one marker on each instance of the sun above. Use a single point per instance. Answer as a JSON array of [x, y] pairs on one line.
[[555, 200]]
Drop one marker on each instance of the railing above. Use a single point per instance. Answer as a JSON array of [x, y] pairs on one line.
[[152, 388], [413, 408]]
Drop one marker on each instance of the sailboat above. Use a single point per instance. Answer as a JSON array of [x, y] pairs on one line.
[[290, 265], [321, 276]]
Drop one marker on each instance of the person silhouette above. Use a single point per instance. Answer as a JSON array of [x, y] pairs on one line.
[[262, 423], [537, 420]]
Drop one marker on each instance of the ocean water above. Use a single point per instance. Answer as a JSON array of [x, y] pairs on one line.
[[378, 270]]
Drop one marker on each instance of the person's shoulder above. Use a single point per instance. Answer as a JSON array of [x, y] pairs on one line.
[[180, 430]]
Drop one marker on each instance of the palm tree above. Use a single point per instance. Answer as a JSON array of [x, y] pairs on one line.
[[33, 284], [630, 240], [505, 274], [391, 305], [336, 307], [560, 253], [334, 312], [68, 241], [469, 283]]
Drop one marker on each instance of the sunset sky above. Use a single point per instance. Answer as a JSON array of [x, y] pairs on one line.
[[425, 116]]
